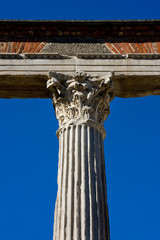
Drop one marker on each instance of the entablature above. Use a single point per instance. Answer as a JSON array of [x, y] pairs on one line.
[[25, 75]]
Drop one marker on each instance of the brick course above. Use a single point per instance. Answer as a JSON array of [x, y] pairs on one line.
[[119, 36]]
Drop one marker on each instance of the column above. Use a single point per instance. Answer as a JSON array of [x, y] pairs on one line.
[[81, 105]]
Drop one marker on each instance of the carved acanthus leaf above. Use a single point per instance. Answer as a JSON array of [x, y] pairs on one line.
[[80, 97]]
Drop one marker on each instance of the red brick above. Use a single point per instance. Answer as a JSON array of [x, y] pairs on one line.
[[30, 45], [135, 46], [139, 47], [151, 47], [147, 47], [144, 48], [111, 48], [25, 47], [35, 45], [124, 47], [17, 47], [158, 47], [14, 44], [39, 48], [21, 47], [118, 48], [5, 48], [129, 47]]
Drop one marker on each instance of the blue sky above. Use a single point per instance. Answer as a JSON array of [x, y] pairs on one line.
[[29, 147], [71, 9]]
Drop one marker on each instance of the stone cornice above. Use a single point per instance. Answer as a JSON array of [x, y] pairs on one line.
[[32, 56], [25, 76]]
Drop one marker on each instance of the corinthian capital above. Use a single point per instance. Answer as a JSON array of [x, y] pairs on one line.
[[80, 97]]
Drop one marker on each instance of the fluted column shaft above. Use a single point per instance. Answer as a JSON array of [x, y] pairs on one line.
[[81, 211], [81, 105]]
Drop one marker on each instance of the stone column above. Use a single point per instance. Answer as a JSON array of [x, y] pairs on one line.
[[81, 105]]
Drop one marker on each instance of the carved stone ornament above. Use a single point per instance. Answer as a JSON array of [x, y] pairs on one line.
[[80, 97]]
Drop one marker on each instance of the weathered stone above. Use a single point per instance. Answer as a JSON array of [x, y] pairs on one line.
[[72, 46], [81, 105], [113, 59], [25, 76], [81, 97]]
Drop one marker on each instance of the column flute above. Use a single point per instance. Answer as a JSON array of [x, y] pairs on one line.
[[81, 105]]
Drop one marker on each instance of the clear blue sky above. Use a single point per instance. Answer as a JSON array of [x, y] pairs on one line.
[[29, 147]]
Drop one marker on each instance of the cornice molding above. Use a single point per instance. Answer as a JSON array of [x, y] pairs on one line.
[[79, 55]]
